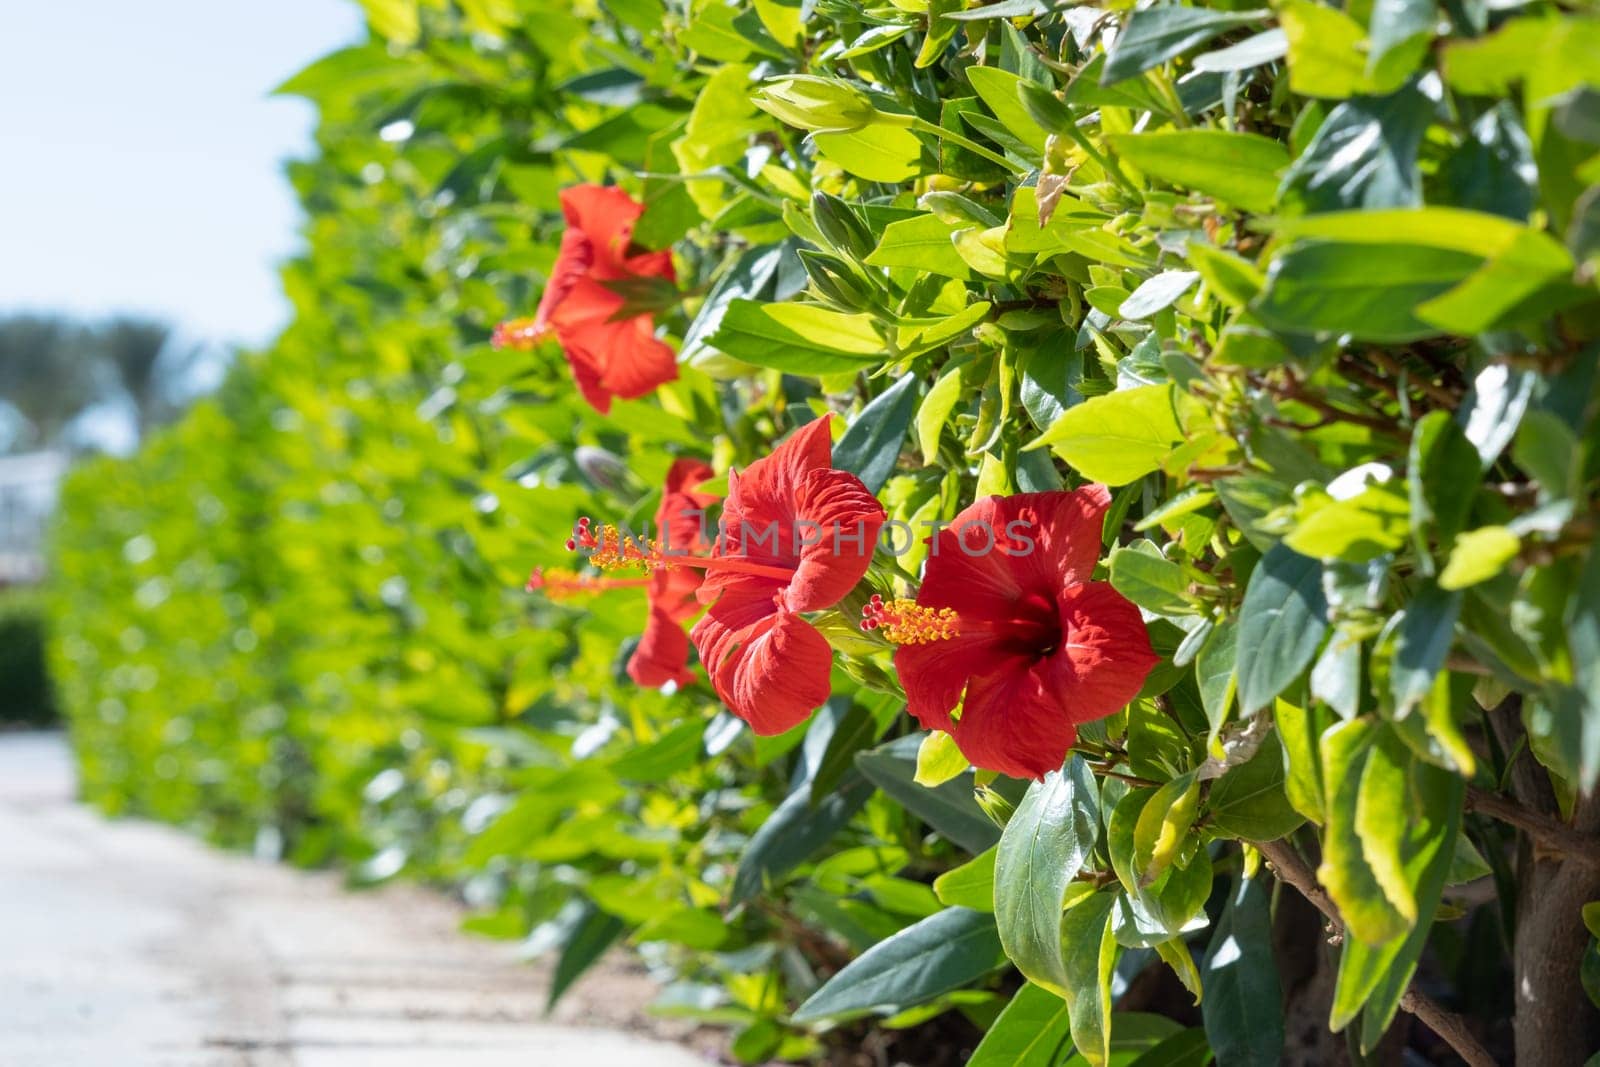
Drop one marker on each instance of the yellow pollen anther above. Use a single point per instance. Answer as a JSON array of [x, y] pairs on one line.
[[905, 622]]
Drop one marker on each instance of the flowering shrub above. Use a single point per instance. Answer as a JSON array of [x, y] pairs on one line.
[[1129, 471]]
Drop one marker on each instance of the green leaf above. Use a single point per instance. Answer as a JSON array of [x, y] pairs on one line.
[[1163, 826], [1401, 32], [870, 448], [1424, 640], [1479, 555], [1441, 477], [970, 885], [1235, 280], [1364, 155], [1214, 672], [1377, 975], [1356, 529], [939, 760], [935, 412], [949, 808], [1239, 168], [1034, 1030], [1142, 574], [797, 338], [1281, 623], [1000, 92], [1345, 871], [1157, 293], [923, 243], [675, 751], [1581, 701], [394, 20], [1327, 51], [1369, 291], [1044, 845], [1153, 35], [587, 940], [793, 832], [938, 955], [877, 153], [1090, 955], [1118, 437], [856, 730], [1268, 46], [1248, 802], [1243, 1007]]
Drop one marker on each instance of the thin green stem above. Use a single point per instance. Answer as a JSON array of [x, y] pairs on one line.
[[922, 125]]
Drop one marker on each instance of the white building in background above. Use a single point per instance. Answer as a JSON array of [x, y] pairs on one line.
[[29, 485]]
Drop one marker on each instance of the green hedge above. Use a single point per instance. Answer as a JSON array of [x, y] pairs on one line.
[[1311, 291]]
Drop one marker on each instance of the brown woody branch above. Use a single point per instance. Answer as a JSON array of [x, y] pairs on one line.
[[1550, 834], [1451, 1027]]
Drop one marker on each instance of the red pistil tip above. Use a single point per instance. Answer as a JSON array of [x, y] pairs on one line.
[[518, 334], [905, 622]]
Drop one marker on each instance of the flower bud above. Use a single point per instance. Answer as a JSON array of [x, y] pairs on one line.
[[820, 105], [994, 805], [833, 282], [605, 469], [841, 225]]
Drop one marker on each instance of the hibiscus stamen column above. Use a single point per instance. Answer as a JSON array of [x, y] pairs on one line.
[[905, 622], [609, 548]]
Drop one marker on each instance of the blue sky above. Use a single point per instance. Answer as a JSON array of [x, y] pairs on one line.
[[141, 157]]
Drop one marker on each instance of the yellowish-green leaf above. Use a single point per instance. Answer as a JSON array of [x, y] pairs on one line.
[[1479, 555], [939, 760], [1118, 437]]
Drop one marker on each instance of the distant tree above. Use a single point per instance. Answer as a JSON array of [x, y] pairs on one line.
[[53, 369]]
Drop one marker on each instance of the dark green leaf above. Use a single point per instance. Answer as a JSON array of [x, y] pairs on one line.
[[794, 831], [1363, 156], [943, 952], [948, 808], [1281, 623], [870, 448], [1243, 1005], [1154, 35], [1033, 1031], [1044, 845], [587, 941]]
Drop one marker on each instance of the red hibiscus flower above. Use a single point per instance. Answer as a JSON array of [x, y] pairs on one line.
[[797, 536], [609, 356], [663, 652], [1008, 625]]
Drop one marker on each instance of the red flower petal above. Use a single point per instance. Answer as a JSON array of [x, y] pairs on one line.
[[772, 673], [663, 653], [572, 265], [759, 513], [1020, 717], [617, 359], [1013, 724], [678, 526], [604, 215], [935, 675], [1001, 549], [838, 520], [765, 490], [1105, 652]]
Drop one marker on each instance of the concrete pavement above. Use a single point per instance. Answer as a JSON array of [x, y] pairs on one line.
[[130, 944]]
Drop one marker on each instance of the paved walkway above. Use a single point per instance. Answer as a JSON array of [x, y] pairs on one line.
[[127, 944]]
